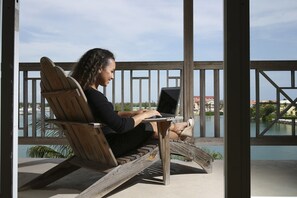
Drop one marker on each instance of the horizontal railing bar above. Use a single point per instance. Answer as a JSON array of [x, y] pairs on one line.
[[140, 78], [259, 141], [33, 78], [156, 65], [269, 65], [30, 66], [42, 141], [277, 65], [208, 65], [274, 140], [153, 65], [206, 141]]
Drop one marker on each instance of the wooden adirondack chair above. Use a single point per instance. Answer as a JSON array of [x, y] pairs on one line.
[[73, 116]]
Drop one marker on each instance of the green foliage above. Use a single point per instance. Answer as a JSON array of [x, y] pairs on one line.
[[211, 113], [127, 106], [267, 112], [49, 152], [214, 154], [118, 107], [52, 151], [178, 157]]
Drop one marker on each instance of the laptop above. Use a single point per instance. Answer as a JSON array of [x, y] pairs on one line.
[[168, 102]]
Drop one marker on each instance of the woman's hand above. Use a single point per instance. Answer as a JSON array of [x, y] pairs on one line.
[[143, 115], [151, 113], [139, 111]]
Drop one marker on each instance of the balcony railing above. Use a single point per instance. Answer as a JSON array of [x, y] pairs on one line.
[[138, 83]]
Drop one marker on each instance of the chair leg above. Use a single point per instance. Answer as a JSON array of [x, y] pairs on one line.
[[119, 175], [55, 173], [191, 151]]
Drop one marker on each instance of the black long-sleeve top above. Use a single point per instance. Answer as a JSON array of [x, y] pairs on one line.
[[103, 112]]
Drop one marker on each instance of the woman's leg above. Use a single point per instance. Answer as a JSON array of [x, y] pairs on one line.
[[175, 130], [178, 127], [122, 143], [125, 142]]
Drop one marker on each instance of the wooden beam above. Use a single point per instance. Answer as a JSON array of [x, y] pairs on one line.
[[9, 98], [237, 98], [187, 74]]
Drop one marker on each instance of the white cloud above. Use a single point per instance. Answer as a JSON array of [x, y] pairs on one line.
[[134, 29], [208, 17], [272, 12], [116, 23], [102, 16], [59, 52]]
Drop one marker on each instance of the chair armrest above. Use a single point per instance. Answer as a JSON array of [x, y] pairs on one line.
[[94, 124]]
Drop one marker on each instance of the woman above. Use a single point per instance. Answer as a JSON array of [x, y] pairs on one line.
[[124, 131]]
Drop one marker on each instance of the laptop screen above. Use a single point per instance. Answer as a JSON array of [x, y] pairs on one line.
[[168, 100]]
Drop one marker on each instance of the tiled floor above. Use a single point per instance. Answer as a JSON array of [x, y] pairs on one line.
[[268, 178]]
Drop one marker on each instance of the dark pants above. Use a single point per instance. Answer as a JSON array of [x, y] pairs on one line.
[[121, 143]]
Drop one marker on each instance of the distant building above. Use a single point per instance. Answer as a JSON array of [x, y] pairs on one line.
[[252, 103], [291, 111], [207, 99], [209, 103]]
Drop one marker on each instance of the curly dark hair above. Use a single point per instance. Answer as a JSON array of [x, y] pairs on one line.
[[85, 71]]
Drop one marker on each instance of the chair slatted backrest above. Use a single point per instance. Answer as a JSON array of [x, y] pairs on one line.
[[69, 105]]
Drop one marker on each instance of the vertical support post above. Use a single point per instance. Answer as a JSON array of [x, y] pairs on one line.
[[237, 98], [9, 101], [188, 67], [202, 104], [293, 78], [113, 90], [131, 90], [25, 103], [216, 89], [257, 79], [149, 88], [122, 89], [140, 92]]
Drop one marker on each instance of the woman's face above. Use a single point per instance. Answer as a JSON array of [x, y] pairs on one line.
[[106, 74]]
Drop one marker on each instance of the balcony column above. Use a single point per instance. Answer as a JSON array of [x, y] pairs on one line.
[[188, 66], [9, 98], [236, 98]]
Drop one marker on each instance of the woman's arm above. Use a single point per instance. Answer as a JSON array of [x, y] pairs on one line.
[[138, 116], [120, 122], [126, 114], [103, 111]]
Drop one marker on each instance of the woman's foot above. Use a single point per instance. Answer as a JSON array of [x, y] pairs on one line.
[[188, 131]]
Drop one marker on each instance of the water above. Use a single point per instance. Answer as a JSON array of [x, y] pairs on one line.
[[257, 152], [276, 129]]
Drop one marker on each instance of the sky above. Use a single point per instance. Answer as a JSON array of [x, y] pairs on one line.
[[137, 30]]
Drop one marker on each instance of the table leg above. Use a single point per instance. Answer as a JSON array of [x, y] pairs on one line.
[[164, 147]]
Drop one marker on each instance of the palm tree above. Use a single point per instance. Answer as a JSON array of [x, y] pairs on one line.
[[51, 151], [56, 151]]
